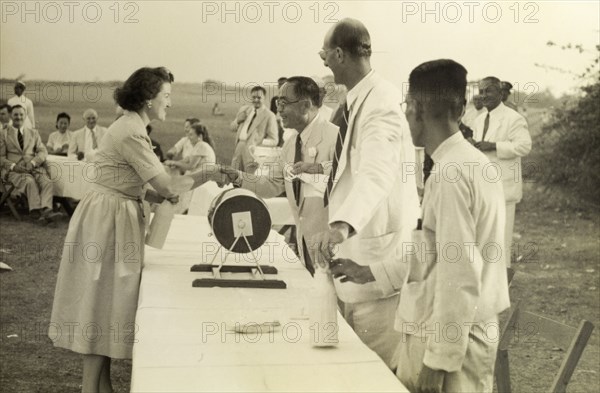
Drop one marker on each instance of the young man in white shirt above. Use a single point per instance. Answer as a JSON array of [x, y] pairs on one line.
[[456, 282]]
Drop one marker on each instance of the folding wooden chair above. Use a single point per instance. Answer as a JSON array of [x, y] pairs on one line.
[[524, 325], [6, 188]]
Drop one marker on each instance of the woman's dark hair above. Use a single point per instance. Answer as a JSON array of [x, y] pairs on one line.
[[143, 85], [63, 115], [202, 131]]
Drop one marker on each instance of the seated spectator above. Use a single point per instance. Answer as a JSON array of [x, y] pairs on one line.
[[5, 116], [155, 145], [22, 158], [85, 141], [201, 153], [59, 140], [216, 110], [183, 147]]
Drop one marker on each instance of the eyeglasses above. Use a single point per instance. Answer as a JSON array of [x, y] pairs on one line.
[[323, 53], [404, 106], [282, 102]]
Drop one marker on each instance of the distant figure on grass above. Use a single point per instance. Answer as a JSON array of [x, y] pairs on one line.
[[20, 99], [254, 125], [85, 142], [22, 159], [59, 141], [216, 110]]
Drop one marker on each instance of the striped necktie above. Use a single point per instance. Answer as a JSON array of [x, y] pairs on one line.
[[343, 124], [94, 140], [20, 138]]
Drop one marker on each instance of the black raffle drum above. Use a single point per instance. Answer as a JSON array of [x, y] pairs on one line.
[[238, 212], [240, 222]]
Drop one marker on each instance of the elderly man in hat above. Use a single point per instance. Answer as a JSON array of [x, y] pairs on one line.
[[86, 140], [20, 99]]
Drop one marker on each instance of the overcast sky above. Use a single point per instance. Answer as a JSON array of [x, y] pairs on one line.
[[260, 41]]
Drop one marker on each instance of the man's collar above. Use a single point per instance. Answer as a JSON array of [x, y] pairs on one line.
[[358, 89], [307, 131], [499, 108], [437, 155]]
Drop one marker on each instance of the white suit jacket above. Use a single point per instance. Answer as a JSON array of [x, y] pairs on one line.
[[310, 215], [78, 142], [510, 132], [375, 186]]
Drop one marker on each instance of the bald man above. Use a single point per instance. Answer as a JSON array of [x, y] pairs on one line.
[[86, 140], [372, 197]]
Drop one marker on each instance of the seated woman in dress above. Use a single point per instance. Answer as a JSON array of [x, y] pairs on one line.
[[58, 141], [101, 290], [202, 152]]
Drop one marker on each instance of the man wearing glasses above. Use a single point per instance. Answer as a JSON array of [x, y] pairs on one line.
[[255, 125], [372, 199], [310, 150]]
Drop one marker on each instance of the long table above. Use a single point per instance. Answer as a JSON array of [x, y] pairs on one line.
[[184, 340]]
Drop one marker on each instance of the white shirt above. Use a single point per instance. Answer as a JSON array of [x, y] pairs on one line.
[[509, 130], [355, 92], [57, 140], [183, 147], [28, 105], [246, 125], [325, 112], [89, 141], [458, 275], [470, 115]]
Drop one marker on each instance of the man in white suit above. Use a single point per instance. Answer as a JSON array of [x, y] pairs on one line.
[[309, 151], [22, 158], [255, 125], [372, 197], [450, 299], [502, 134], [85, 141]]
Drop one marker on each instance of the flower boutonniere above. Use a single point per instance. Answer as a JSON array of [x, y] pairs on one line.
[[312, 152]]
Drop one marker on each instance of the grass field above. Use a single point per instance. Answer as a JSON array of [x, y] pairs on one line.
[[558, 274]]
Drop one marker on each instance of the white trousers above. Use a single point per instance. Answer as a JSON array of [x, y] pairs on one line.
[[508, 231], [373, 322]]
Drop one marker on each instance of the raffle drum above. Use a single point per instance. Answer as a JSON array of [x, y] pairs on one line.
[[241, 223]]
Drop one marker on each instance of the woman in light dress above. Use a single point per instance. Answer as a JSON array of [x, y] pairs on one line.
[[201, 153], [99, 276], [58, 141]]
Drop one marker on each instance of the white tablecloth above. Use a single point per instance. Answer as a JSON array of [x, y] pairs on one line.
[[182, 341], [70, 178]]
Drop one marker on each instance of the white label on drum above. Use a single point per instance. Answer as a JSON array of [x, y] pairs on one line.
[[242, 224]]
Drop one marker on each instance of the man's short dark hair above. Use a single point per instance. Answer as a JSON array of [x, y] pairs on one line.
[[440, 86], [305, 88], [17, 107], [5, 106], [258, 88], [352, 37]]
